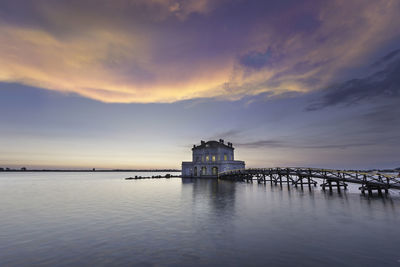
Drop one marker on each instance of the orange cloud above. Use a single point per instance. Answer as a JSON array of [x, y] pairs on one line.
[[111, 60]]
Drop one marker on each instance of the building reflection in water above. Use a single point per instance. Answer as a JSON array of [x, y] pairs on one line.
[[219, 196]]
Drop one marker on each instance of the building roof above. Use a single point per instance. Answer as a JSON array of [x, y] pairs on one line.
[[213, 144]]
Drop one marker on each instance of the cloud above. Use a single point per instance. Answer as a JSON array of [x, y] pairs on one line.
[[382, 83], [271, 143], [264, 143], [256, 60], [168, 50], [387, 58], [226, 135]]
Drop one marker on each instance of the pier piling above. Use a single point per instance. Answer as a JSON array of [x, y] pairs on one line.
[[331, 178]]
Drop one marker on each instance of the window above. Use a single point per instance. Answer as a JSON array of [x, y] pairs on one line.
[[203, 171], [225, 157], [215, 170], [202, 158], [207, 158], [213, 158]]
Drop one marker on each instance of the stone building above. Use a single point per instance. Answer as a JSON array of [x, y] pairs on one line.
[[211, 158]]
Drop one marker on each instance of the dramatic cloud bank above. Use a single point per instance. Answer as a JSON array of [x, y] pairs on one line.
[[167, 50], [383, 82]]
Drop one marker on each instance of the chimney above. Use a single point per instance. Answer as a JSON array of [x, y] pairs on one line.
[[202, 142], [194, 146], [221, 141]]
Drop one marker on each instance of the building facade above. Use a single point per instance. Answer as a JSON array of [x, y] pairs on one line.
[[209, 159]]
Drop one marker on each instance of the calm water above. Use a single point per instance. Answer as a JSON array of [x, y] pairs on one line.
[[78, 219]]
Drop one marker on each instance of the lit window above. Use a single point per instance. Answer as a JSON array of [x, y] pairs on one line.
[[202, 158], [213, 158], [207, 158], [225, 157]]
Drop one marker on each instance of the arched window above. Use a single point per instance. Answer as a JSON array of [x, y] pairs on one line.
[[214, 170], [225, 157], [208, 158], [203, 170], [213, 158]]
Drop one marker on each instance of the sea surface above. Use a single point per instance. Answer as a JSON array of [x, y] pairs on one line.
[[100, 219]]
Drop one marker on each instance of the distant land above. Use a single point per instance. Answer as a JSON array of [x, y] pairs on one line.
[[23, 169]]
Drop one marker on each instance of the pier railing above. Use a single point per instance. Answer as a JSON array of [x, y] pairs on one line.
[[301, 176]]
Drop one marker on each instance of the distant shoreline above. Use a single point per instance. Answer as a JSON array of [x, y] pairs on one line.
[[114, 170]]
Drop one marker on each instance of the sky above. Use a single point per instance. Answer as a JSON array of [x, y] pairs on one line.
[[135, 83]]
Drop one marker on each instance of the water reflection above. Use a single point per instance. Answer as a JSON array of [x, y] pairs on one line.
[[101, 219], [219, 195]]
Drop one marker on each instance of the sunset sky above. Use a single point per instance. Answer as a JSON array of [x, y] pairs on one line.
[[135, 83]]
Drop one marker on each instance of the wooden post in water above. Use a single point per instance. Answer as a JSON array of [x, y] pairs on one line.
[[386, 188], [301, 181], [287, 176]]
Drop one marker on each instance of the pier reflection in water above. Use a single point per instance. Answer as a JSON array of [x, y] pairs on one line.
[[101, 219]]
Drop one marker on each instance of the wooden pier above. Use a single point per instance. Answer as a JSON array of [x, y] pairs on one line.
[[297, 176]]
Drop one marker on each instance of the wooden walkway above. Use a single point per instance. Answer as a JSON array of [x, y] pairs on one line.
[[369, 181]]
